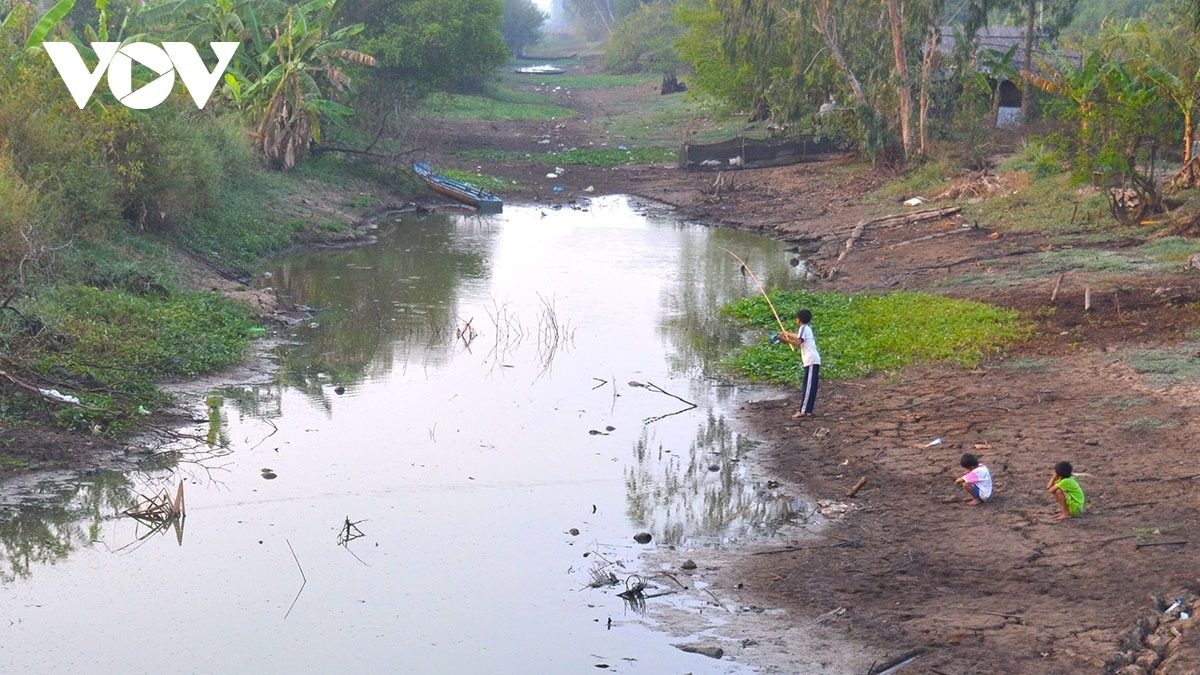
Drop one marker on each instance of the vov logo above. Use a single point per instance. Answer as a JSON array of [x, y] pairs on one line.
[[117, 61]]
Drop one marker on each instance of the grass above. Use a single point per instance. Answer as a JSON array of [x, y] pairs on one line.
[[593, 157], [926, 180], [864, 334], [482, 181], [1050, 205], [1122, 403], [499, 104], [1035, 157], [119, 344], [246, 226], [570, 80], [1173, 251], [1026, 363], [1086, 261], [1167, 366], [1148, 424], [12, 463]]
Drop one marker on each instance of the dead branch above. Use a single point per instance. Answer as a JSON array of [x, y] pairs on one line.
[[857, 486], [935, 235], [159, 508], [888, 221], [888, 666], [1016, 617], [634, 587], [1143, 544], [303, 582], [672, 577], [349, 532], [650, 386]]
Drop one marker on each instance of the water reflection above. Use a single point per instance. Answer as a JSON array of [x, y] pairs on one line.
[[397, 298], [440, 403], [48, 521], [441, 292], [688, 497]]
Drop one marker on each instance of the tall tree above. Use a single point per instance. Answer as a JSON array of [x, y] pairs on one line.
[[523, 23], [430, 45], [903, 84], [1041, 16]]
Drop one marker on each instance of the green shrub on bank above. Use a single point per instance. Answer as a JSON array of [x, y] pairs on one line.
[[863, 334], [110, 347]]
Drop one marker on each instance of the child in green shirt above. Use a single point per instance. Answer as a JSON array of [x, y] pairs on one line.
[[1066, 491]]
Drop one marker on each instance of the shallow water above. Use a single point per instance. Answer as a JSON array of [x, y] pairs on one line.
[[505, 381]]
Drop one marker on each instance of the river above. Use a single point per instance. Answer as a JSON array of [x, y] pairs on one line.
[[442, 466]]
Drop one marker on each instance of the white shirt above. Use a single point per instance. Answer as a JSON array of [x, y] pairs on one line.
[[981, 477], [809, 355]]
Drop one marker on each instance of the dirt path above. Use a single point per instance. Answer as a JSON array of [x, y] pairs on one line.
[[909, 568]]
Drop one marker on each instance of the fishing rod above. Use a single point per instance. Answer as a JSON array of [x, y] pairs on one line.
[[747, 270]]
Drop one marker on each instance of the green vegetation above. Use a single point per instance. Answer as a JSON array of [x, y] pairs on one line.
[[497, 105], [1052, 204], [1167, 366], [1148, 423], [479, 180], [573, 82], [864, 334], [110, 346], [594, 157]]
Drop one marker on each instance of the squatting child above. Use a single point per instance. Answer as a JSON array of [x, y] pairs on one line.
[[1066, 491], [977, 481]]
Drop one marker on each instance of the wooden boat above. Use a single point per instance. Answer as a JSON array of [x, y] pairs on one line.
[[469, 194], [541, 70]]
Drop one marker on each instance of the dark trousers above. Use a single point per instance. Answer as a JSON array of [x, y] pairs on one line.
[[808, 388]]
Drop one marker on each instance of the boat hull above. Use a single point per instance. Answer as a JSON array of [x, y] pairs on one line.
[[482, 200]]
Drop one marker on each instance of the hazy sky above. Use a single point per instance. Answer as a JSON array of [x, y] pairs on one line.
[[543, 5]]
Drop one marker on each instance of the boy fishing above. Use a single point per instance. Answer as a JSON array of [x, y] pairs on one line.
[[810, 360]]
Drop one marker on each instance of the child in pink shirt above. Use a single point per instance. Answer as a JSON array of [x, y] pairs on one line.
[[977, 481]]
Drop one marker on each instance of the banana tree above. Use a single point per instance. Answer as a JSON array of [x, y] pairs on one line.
[[303, 66], [1168, 56]]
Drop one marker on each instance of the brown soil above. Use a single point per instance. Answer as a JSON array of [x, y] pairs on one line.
[[997, 588]]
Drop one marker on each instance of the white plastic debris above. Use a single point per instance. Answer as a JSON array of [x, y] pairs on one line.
[[936, 441], [915, 201], [57, 395]]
